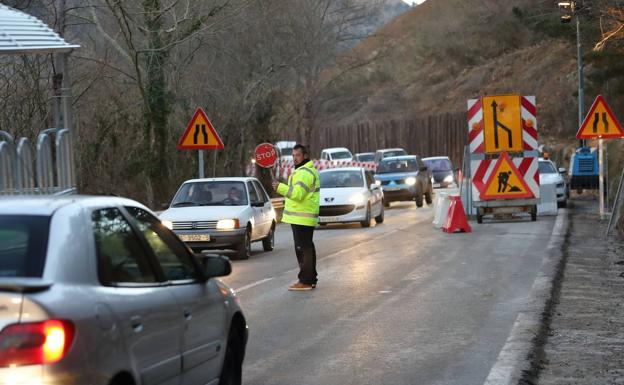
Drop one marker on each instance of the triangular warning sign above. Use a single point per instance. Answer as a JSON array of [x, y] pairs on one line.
[[600, 123], [200, 134], [505, 181]]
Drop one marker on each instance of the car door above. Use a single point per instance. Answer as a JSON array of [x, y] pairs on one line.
[[201, 307], [145, 311], [256, 209], [267, 220]]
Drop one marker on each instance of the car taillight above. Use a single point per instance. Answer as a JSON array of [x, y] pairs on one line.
[[35, 343]]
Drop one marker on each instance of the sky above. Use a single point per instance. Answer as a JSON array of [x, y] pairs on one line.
[[411, 2]]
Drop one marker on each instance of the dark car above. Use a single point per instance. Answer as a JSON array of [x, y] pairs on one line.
[[404, 178], [442, 171]]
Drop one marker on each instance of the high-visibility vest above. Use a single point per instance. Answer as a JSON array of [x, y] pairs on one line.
[[302, 196]]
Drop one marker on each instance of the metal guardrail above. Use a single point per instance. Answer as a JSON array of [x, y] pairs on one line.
[[17, 175]]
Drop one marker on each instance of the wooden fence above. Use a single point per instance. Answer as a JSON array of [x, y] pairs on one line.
[[436, 135]]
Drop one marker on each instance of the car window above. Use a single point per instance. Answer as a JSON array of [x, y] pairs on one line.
[[211, 193], [333, 179], [120, 256], [253, 195], [365, 157], [439, 164], [341, 155], [23, 243], [547, 168], [261, 193], [388, 154], [397, 165], [175, 260]]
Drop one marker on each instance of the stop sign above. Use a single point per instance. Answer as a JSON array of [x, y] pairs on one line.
[[265, 154]]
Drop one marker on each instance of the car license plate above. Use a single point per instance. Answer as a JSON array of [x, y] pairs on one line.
[[391, 188], [436, 185], [195, 237], [328, 219]]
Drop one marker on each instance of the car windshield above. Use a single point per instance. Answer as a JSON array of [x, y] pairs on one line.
[[213, 193], [439, 164], [365, 157], [397, 165], [333, 179], [341, 155], [546, 168], [388, 154], [23, 244]]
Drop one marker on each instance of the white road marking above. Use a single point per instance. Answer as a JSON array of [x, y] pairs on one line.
[[253, 284]]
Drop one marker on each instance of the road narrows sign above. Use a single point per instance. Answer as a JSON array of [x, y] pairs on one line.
[[506, 181], [200, 134], [265, 155], [600, 122], [502, 123]]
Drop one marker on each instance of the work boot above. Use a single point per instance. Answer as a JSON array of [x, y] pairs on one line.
[[300, 287]]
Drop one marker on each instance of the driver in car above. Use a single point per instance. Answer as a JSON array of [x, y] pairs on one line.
[[234, 196]]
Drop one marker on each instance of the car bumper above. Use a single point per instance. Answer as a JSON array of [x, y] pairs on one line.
[[403, 193], [561, 194], [444, 185], [226, 239], [357, 215]]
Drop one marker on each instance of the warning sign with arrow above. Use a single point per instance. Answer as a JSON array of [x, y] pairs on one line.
[[200, 134], [505, 181], [502, 123], [600, 123]]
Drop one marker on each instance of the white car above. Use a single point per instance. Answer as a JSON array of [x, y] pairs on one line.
[[548, 174], [350, 195], [222, 213], [340, 154]]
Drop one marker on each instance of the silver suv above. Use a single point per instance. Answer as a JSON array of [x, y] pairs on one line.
[[95, 290]]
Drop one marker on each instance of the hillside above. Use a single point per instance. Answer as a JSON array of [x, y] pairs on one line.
[[438, 55]]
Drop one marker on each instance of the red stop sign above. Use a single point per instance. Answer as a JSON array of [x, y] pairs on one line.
[[265, 154]]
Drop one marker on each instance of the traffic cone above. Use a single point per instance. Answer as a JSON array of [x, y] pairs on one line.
[[456, 218]]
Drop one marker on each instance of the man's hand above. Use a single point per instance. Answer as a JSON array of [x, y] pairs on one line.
[[275, 184]]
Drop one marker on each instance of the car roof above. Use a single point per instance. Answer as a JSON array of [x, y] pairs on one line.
[[341, 169], [365, 153], [436, 158], [400, 157], [222, 179], [391, 149], [47, 204], [336, 149]]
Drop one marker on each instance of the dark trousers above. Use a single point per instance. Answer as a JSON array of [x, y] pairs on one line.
[[306, 253]]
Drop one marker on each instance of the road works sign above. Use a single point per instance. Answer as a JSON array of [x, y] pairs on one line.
[[502, 123], [200, 134], [600, 123], [505, 182]]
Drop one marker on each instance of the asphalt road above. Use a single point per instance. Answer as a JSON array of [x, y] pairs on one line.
[[397, 303]]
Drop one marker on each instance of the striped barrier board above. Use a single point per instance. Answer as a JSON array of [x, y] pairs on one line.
[[482, 170]]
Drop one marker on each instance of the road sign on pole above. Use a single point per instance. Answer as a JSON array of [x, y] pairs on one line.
[[600, 122], [200, 134]]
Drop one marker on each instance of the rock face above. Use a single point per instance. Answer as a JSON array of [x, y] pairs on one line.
[[434, 57]]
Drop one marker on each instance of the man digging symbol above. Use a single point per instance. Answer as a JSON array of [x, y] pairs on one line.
[[503, 183]]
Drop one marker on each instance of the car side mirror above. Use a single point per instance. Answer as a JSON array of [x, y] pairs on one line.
[[215, 265], [562, 170]]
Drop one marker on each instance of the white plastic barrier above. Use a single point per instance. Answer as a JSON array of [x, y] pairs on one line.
[[548, 200], [440, 209]]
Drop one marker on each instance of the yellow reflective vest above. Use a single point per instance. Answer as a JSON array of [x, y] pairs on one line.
[[302, 196]]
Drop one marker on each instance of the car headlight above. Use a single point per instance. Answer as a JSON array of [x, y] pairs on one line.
[[410, 181], [378, 182], [448, 179], [167, 224], [227, 224], [357, 199]]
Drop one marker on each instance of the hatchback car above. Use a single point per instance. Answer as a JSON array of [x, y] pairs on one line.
[[548, 174], [95, 290], [388, 152], [350, 195], [341, 154], [442, 172], [404, 178], [222, 213]]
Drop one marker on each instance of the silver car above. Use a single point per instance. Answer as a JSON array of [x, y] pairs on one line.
[[95, 290]]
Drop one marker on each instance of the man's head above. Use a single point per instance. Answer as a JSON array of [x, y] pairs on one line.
[[234, 193], [300, 153]]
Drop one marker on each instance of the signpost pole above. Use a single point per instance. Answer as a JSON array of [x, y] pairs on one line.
[[214, 165], [201, 163], [601, 177]]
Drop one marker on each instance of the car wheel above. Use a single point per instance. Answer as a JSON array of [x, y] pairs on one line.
[[428, 195], [380, 218], [268, 243], [243, 251], [418, 198], [366, 222], [479, 215], [533, 213], [232, 372]]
